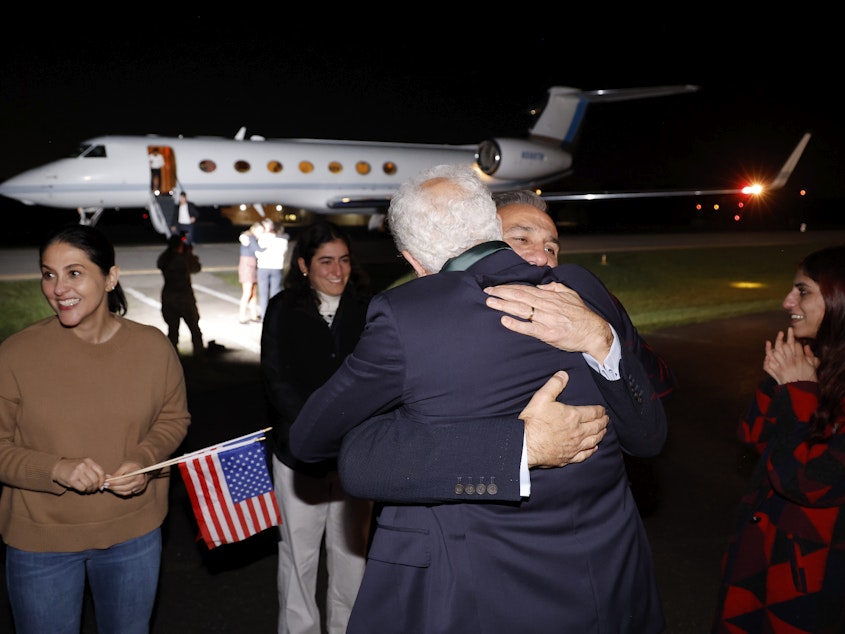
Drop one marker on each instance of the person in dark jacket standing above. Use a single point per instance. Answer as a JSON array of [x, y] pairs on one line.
[[177, 263], [309, 328], [184, 216]]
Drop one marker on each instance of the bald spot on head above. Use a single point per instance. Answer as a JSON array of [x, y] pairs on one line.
[[531, 233], [441, 188]]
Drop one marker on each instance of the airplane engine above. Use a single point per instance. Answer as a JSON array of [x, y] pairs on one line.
[[520, 159]]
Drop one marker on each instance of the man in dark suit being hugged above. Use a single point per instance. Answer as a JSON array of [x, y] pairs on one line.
[[540, 550]]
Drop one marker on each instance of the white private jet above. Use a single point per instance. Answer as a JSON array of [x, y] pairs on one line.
[[318, 175]]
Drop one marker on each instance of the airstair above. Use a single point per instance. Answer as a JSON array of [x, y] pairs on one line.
[[161, 208]]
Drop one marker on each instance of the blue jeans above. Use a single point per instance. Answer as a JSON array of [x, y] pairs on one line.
[[188, 230], [269, 284], [46, 590]]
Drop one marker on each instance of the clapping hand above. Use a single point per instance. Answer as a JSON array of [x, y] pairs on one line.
[[787, 360]]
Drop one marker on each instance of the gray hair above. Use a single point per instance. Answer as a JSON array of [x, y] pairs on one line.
[[435, 223], [522, 197]]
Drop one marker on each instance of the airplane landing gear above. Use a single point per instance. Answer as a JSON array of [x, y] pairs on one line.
[[89, 215]]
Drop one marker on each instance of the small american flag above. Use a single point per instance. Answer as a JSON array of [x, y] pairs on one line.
[[230, 490]]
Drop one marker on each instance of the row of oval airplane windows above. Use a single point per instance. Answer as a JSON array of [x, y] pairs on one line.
[[306, 167]]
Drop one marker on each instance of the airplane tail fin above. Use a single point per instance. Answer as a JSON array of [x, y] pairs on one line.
[[788, 167], [565, 108]]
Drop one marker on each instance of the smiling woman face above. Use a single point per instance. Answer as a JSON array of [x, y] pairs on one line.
[[330, 267], [75, 287], [805, 306]]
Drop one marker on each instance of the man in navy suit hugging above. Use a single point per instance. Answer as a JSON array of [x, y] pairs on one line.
[[552, 549]]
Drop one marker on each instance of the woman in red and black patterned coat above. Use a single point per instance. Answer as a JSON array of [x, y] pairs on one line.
[[784, 570]]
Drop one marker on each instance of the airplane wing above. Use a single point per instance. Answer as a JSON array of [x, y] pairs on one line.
[[777, 183], [353, 203]]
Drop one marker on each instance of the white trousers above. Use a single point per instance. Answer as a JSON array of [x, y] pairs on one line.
[[311, 509]]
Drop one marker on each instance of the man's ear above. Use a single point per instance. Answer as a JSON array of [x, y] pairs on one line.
[[421, 272]]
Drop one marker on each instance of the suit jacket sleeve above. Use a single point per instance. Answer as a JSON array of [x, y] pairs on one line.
[[634, 407], [369, 382], [391, 461]]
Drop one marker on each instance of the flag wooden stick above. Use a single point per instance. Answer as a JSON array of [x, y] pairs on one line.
[[229, 444]]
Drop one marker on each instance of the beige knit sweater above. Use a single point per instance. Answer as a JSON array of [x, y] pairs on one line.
[[62, 397]]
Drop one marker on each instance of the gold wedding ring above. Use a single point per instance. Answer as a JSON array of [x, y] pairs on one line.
[[531, 314]]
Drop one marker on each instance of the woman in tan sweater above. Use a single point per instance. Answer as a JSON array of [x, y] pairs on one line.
[[85, 396]]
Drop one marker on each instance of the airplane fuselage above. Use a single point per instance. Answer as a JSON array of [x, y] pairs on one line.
[[321, 176]]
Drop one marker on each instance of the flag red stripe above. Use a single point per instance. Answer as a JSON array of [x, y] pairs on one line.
[[216, 510], [270, 509]]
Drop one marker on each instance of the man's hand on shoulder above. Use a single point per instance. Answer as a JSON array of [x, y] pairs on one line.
[[555, 314], [557, 434]]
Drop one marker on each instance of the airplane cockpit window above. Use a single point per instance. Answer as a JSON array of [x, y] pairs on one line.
[[389, 168], [242, 166], [208, 165], [362, 167], [274, 166], [306, 167], [87, 150], [335, 167]]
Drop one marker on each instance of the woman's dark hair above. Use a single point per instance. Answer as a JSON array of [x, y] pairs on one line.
[[307, 243], [826, 267], [99, 250]]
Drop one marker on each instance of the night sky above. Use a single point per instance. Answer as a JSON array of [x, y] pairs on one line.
[[445, 78]]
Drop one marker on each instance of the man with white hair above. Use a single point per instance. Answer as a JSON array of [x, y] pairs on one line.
[[561, 550]]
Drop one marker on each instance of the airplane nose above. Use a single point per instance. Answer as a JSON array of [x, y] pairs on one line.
[[17, 188]]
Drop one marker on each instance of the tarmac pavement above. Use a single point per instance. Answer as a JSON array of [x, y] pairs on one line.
[[687, 495]]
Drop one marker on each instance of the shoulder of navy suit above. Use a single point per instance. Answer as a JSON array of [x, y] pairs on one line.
[[490, 262], [474, 254], [494, 263]]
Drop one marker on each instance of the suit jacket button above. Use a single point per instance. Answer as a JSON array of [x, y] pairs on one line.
[[492, 489]]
